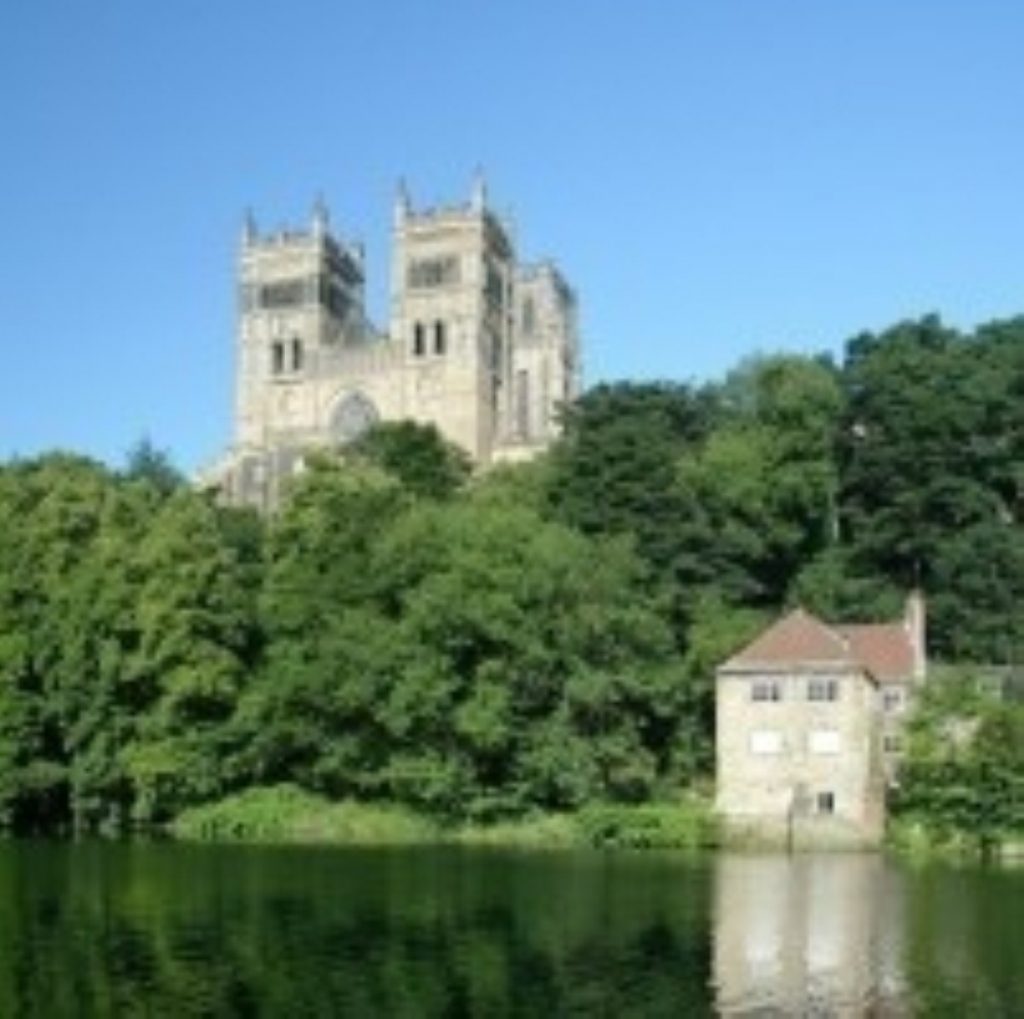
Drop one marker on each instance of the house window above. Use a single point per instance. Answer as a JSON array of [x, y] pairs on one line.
[[277, 358], [439, 338], [892, 743], [824, 741], [823, 690], [419, 339], [765, 741], [892, 700], [825, 803], [766, 690], [296, 355]]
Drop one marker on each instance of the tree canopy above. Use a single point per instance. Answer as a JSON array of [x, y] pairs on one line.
[[533, 636]]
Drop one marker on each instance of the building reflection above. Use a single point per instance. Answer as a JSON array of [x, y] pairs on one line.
[[819, 934]]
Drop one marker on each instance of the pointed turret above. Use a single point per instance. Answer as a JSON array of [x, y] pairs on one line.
[[321, 217], [403, 204], [250, 232], [478, 196]]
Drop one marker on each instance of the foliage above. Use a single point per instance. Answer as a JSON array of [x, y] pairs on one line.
[[685, 825], [152, 466], [963, 778], [126, 629], [417, 455], [466, 658], [614, 473], [931, 462], [532, 640], [286, 813]]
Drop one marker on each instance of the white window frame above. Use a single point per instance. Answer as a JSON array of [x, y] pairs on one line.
[[766, 742], [825, 742]]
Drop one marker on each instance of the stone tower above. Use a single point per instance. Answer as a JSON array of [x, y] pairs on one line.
[[301, 298], [452, 284], [546, 356]]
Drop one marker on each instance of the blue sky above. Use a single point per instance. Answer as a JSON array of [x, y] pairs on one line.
[[716, 178]]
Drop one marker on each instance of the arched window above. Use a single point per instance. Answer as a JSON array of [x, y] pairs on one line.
[[440, 340], [352, 416], [419, 339]]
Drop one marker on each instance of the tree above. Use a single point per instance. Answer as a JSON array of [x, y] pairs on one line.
[[543, 676], [50, 517], [963, 775], [931, 465], [417, 455], [310, 713], [614, 471], [760, 490], [153, 466]]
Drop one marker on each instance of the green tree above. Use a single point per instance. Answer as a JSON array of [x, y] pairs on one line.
[[543, 675], [614, 472], [147, 463], [963, 775], [417, 455], [760, 491], [310, 714], [50, 517]]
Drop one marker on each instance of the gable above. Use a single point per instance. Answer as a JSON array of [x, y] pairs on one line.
[[797, 640]]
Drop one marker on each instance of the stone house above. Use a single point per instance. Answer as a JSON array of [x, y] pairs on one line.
[[809, 717]]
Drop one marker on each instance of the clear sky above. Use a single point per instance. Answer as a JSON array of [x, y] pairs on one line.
[[716, 178]]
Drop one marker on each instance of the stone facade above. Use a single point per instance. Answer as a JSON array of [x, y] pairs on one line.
[[479, 345], [808, 720]]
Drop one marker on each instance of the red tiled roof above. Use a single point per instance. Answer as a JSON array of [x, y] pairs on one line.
[[802, 640], [798, 637], [885, 648]]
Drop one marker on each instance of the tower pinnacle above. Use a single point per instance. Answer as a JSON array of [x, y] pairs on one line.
[[403, 204], [321, 217], [249, 229], [478, 197]]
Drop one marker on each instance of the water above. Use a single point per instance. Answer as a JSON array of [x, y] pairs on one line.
[[169, 930]]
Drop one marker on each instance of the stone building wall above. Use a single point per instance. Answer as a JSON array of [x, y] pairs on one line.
[[777, 758]]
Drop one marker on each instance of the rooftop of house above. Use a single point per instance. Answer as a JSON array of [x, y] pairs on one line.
[[886, 651]]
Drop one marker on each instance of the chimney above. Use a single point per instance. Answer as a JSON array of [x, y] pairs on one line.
[[914, 624]]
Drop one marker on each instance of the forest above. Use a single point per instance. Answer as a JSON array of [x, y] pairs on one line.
[[537, 637]]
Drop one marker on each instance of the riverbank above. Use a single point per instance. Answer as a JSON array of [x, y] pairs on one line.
[[914, 838], [286, 813]]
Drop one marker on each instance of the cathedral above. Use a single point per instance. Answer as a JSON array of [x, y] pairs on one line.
[[479, 344]]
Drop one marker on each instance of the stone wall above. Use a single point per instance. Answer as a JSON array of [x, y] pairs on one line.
[[777, 759]]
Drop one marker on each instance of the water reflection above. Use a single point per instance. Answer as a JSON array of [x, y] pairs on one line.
[[225, 931], [823, 933], [121, 930]]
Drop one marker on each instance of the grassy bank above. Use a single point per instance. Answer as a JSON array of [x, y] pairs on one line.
[[916, 838], [288, 814]]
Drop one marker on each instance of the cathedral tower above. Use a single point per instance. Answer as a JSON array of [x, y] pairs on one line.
[[452, 285], [301, 296], [546, 356]]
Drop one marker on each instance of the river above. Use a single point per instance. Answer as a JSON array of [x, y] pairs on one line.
[[108, 929]]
